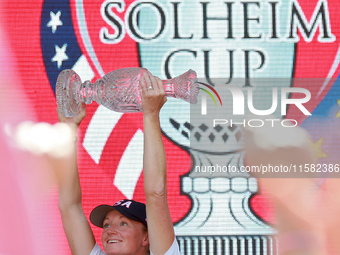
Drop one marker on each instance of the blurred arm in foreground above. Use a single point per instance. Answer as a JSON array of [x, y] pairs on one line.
[[295, 197]]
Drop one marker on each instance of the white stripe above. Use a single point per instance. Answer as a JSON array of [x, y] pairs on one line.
[[250, 245], [204, 105], [331, 72], [83, 69], [264, 243], [99, 130], [86, 37], [130, 166], [234, 240]]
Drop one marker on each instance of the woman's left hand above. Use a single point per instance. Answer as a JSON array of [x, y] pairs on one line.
[[153, 95]]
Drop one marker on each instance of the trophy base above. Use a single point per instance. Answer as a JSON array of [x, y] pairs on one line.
[[229, 244], [67, 83]]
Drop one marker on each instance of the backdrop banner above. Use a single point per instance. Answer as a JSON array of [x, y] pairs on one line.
[[283, 41]]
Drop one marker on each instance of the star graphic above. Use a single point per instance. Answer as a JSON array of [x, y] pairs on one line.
[[55, 21], [60, 55], [317, 146], [338, 114]]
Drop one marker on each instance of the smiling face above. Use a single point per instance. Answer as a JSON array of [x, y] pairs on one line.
[[122, 235]]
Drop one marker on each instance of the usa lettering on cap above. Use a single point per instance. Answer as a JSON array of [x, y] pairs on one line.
[[126, 204]]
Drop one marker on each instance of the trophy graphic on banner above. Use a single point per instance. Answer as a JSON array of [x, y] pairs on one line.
[[119, 90], [212, 42], [221, 220]]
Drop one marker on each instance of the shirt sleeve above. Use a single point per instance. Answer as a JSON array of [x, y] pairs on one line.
[[173, 250], [97, 251]]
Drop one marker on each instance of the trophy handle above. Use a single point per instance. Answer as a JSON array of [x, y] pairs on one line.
[[67, 83]]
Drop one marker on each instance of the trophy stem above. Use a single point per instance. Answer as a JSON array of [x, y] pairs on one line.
[[86, 92], [169, 88]]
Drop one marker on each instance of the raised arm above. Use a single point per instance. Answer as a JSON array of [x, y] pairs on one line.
[[160, 227], [76, 226], [293, 194]]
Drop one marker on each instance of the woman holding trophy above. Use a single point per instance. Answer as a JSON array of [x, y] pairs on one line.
[[129, 227]]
